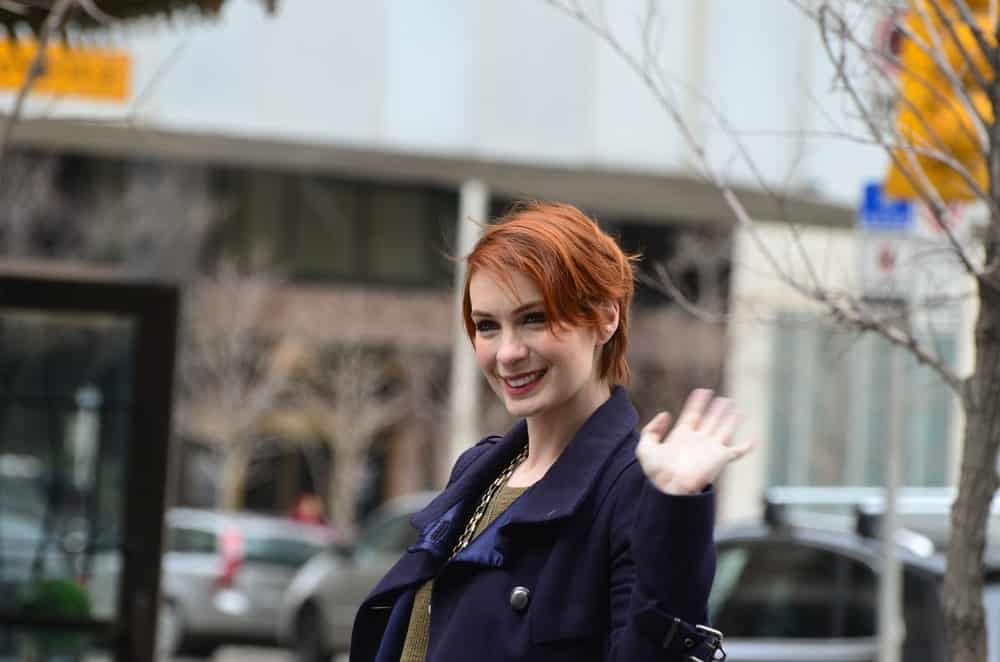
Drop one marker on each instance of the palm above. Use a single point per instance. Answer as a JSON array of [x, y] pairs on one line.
[[686, 458]]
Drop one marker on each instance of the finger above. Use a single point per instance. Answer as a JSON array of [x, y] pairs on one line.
[[657, 428], [652, 435], [726, 429], [694, 407], [716, 416], [736, 452]]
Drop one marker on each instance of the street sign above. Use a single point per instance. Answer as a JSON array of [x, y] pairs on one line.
[[100, 74], [885, 229]]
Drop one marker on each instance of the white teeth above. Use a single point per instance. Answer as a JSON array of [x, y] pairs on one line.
[[523, 381]]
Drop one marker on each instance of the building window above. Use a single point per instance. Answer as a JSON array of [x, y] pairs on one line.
[[326, 232], [399, 223], [832, 401], [325, 229]]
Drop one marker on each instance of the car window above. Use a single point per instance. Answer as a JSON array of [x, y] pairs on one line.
[[279, 551], [923, 617], [392, 535], [191, 541], [789, 590], [991, 602]]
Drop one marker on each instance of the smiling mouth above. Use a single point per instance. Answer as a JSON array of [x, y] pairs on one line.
[[523, 380]]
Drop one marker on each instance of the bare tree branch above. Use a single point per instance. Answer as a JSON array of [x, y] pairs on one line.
[[665, 284], [970, 20], [935, 52], [967, 57], [52, 24], [928, 192], [840, 305]]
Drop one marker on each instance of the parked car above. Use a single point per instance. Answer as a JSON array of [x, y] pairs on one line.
[[223, 576], [790, 588], [317, 611], [806, 589]]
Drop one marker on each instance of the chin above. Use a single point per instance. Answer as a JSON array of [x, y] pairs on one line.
[[524, 408]]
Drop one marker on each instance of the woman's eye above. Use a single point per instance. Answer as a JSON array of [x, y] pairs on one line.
[[485, 326], [534, 318]]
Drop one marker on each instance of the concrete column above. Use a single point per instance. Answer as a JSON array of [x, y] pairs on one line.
[[464, 405]]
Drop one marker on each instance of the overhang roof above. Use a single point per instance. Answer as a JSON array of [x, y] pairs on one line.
[[628, 194]]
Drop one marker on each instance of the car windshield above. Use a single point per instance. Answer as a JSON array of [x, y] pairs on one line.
[[390, 534], [280, 551]]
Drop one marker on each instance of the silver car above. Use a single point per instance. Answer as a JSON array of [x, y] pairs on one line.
[[317, 611], [804, 590], [223, 577]]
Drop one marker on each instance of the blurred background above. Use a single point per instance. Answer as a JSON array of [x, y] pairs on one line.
[[302, 174]]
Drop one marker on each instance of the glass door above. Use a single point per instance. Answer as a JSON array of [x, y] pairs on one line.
[[85, 381]]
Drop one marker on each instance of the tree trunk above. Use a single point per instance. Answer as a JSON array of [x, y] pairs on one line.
[[977, 483], [344, 470], [963, 587], [234, 470]]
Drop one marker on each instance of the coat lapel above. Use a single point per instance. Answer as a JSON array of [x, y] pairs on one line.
[[557, 496], [439, 522], [476, 477], [567, 484]]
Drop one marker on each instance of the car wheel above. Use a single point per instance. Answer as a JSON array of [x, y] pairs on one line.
[[308, 637], [169, 631]]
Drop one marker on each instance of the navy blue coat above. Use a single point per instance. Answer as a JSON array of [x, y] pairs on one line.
[[615, 570]]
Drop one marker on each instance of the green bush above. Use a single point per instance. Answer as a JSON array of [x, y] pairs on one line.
[[55, 598]]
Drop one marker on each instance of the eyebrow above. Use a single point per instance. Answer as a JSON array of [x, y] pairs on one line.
[[521, 308]]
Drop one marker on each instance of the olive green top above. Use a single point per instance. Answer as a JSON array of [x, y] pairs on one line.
[[418, 632]]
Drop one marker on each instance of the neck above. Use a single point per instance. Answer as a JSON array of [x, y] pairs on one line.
[[550, 433]]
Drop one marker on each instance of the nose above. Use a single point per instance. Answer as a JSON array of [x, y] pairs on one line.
[[511, 349]]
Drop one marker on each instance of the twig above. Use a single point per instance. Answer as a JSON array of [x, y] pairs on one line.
[[970, 20], [53, 22], [970, 61], [664, 283], [925, 189], [842, 307], [91, 9]]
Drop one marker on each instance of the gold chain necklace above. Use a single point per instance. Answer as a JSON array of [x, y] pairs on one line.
[[484, 502]]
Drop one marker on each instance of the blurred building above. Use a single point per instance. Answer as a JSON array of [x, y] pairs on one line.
[[820, 396], [339, 140]]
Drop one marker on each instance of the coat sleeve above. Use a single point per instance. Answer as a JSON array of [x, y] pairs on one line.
[[662, 563]]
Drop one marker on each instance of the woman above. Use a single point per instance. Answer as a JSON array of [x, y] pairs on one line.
[[571, 537]]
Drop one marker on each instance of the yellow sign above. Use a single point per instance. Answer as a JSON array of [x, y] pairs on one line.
[[92, 73]]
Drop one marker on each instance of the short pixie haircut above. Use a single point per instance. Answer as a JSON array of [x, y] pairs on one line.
[[577, 266]]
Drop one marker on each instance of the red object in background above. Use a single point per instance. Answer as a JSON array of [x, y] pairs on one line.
[[231, 549], [308, 510], [886, 258]]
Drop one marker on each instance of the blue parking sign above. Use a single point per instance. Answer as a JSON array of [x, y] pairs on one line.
[[879, 213]]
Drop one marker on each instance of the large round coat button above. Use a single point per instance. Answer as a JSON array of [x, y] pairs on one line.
[[519, 598]]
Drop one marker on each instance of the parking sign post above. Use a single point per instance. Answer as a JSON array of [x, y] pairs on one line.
[[885, 229]]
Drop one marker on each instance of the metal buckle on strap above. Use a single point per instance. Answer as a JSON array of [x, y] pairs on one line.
[[713, 644], [671, 633]]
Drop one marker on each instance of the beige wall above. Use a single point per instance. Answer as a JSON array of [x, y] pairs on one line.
[[758, 296]]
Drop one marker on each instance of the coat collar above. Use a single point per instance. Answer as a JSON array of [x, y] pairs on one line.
[[567, 483]]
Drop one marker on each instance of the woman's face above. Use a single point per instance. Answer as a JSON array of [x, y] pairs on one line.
[[531, 369]]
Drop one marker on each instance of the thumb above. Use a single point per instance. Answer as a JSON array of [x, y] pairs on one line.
[[654, 432]]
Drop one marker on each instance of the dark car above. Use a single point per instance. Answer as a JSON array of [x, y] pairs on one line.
[[805, 588], [794, 587]]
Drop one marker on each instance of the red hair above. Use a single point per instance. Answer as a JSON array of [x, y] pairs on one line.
[[578, 268]]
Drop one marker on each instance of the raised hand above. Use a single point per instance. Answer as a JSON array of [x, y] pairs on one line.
[[696, 450]]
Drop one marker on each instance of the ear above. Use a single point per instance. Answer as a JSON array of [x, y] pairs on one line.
[[609, 322]]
